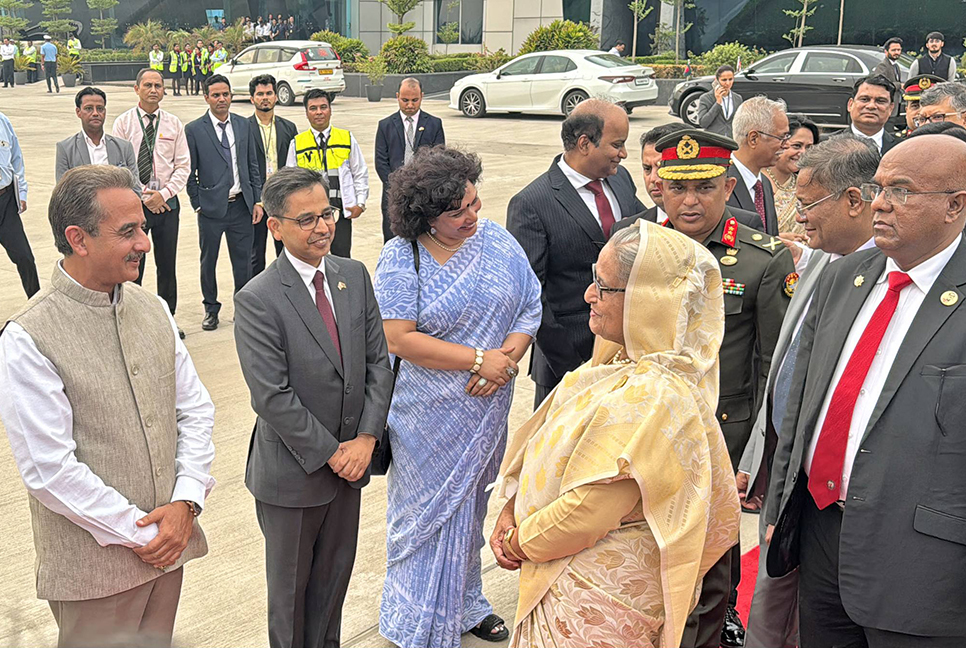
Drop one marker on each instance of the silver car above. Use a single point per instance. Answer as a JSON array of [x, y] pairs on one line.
[[298, 66]]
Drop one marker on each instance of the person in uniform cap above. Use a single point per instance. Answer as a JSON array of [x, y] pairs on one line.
[[912, 91], [934, 61], [759, 279]]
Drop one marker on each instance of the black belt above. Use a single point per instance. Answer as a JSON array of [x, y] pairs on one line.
[[6, 189]]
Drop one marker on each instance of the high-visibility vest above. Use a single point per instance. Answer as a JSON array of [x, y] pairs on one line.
[[156, 60], [185, 58], [173, 65], [308, 155], [74, 46], [205, 63], [31, 53], [218, 58]]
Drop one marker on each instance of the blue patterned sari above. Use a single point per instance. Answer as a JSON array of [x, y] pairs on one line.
[[446, 445]]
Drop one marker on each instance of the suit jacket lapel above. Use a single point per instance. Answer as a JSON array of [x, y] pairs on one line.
[[567, 196], [259, 144], [210, 129], [617, 185], [81, 144], [420, 127], [742, 197], [340, 302], [307, 311], [771, 215], [397, 125]]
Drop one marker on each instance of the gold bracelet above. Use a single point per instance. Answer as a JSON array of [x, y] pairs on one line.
[[478, 361], [508, 546]]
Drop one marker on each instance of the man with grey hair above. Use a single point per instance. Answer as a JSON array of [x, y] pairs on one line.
[[837, 222], [943, 102], [760, 128], [109, 424], [562, 220]]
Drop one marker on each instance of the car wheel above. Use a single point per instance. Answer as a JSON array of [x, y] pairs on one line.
[[689, 109], [571, 100], [285, 95], [472, 103]]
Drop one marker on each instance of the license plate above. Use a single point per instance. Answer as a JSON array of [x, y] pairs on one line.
[[325, 71], [640, 81]]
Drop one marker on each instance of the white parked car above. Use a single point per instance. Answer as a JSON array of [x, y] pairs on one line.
[[554, 83], [298, 66]]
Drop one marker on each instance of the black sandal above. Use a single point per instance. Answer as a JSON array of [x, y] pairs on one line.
[[486, 627]]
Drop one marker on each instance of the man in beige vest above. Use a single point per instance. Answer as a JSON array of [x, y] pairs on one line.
[[109, 424]]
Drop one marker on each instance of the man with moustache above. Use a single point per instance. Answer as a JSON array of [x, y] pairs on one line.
[[163, 163], [870, 109], [273, 136], [312, 349], [934, 61], [92, 145], [562, 220], [760, 128], [759, 279], [224, 188], [109, 425], [837, 222], [399, 136]]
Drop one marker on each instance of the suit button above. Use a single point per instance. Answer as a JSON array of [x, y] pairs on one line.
[[794, 478], [135, 370], [724, 417], [149, 422], [158, 472], [347, 420], [348, 389]]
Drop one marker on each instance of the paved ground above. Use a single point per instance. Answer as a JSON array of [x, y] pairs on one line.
[[223, 602]]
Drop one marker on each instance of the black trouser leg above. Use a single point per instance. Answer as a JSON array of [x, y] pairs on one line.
[[14, 241], [209, 236], [704, 624], [240, 236], [261, 234], [386, 228], [50, 71], [8, 73], [164, 228], [342, 241]]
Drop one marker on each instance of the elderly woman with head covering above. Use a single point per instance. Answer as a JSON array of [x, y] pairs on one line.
[[621, 490]]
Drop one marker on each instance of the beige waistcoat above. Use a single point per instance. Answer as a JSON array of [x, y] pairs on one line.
[[117, 362]]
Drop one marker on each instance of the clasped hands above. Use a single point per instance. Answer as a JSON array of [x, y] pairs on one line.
[[175, 522], [352, 458], [504, 523], [496, 362]]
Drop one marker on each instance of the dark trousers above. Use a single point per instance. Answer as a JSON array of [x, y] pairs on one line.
[[50, 73], [238, 231], [309, 553], [258, 248], [8, 73], [32, 73], [15, 243], [386, 229], [163, 229], [342, 241], [704, 624]]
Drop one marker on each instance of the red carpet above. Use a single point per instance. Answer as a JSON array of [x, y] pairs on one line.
[[746, 588]]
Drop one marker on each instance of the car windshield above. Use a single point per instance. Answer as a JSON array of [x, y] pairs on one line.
[[607, 60], [321, 53]]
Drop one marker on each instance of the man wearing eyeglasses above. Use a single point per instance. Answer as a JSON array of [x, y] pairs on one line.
[[912, 91], [868, 472], [760, 128], [870, 109], [943, 102]]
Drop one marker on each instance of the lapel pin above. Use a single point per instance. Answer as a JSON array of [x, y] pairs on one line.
[[859, 281], [421, 128], [341, 286], [949, 298]]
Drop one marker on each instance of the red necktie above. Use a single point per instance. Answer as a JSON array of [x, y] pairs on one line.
[[760, 202], [603, 207], [829, 458], [325, 310]]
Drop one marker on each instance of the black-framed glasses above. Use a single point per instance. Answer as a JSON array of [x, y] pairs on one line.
[[311, 221], [895, 195], [804, 209], [781, 138], [934, 119], [601, 288]]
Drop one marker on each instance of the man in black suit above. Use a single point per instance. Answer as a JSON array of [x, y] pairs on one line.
[[760, 128], [273, 135], [562, 220], [889, 66], [224, 187], [867, 488], [870, 109], [400, 135]]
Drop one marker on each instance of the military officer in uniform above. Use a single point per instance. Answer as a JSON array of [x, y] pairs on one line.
[[912, 89], [759, 278]]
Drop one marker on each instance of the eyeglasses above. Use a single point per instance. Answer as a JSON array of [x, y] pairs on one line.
[[933, 119], [781, 138], [601, 288], [311, 221], [804, 209], [895, 195]]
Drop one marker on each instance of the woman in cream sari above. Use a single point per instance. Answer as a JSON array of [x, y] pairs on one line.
[[621, 490]]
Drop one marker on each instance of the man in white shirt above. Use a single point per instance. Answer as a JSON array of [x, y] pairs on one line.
[[870, 109], [760, 128], [7, 53], [617, 49], [92, 145], [867, 487], [109, 424]]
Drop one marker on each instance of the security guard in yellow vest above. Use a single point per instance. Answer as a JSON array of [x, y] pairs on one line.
[[74, 47], [335, 152], [31, 53], [174, 69], [156, 58]]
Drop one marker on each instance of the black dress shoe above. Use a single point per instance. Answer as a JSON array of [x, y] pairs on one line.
[[733, 632], [211, 323]]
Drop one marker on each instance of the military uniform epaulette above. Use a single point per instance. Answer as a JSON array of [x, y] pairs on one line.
[[767, 242]]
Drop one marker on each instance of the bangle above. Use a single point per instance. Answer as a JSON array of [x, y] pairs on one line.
[[478, 361], [508, 546]]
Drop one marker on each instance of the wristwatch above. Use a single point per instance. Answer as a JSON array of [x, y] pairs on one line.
[[194, 508]]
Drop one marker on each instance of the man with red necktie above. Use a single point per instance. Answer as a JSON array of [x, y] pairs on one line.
[[760, 128], [868, 489]]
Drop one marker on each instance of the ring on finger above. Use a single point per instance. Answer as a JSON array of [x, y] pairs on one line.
[[511, 372], [482, 382]]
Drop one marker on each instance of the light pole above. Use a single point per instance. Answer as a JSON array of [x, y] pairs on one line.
[[841, 18]]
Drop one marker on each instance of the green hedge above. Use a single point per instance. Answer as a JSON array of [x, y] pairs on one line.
[[450, 64], [677, 71], [406, 55], [349, 49], [560, 34], [112, 56]]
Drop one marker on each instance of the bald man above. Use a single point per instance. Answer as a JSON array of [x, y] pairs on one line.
[[400, 135], [868, 488], [562, 220]]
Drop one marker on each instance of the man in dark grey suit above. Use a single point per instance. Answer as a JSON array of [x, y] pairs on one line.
[[838, 222], [761, 130], [224, 187], [889, 66], [867, 489], [92, 145], [312, 349], [562, 220]]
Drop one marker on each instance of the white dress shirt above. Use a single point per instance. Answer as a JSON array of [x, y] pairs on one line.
[[923, 277], [97, 152], [353, 174], [579, 182], [727, 105], [307, 273], [7, 52], [230, 134], [661, 215], [877, 138], [749, 178], [39, 421]]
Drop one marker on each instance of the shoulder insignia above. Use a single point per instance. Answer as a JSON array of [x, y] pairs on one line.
[[730, 235], [791, 281], [773, 244], [732, 287], [756, 237]]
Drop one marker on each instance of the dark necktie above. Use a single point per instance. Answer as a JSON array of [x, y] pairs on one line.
[[145, 159], [323, 145], [898, 76], [603, 207], [760, 202], [225, 146], [829, 457], [783, 382], [325, 310]]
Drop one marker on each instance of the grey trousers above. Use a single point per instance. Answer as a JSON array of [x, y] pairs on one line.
[[773, 619], [309, 553], [141, 617]]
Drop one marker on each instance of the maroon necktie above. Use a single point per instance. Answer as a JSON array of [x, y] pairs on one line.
[[760, 202], [829, 458], [603, 207], [325, 310]]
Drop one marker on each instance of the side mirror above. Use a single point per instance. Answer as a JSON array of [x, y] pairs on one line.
[[499, 74], [750, 75]]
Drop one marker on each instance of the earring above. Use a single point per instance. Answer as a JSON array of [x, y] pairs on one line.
[[432, 230]]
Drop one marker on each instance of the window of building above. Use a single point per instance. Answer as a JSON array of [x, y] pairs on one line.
[[460, 22], [577, 10]]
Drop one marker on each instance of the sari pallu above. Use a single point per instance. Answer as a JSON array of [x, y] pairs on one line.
[[446, 445]]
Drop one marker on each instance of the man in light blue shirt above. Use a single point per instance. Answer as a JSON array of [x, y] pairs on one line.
[[13, 200], [48, 52]]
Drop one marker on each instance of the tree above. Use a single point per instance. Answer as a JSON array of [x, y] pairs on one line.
[[142, 36], [57, 22], [102, 26], [797, 34], [640, 10], [12, 23], [680, 28], [449, 31], [400, 8]]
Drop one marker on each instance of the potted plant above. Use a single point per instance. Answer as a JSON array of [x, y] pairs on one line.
[[375, 69], [69, 69], [21, 64]]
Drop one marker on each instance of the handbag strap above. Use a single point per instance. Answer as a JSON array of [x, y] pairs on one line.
[[395, 364]]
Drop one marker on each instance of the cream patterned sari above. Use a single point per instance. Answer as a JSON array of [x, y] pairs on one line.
[[651, 420]]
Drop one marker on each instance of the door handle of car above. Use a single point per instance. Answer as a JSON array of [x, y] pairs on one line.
[[778, 79], [840, 79]]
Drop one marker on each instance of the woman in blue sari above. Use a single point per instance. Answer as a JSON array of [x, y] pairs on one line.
[[460, 326]]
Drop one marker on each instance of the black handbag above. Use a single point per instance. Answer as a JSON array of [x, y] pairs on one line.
[[382, 454]]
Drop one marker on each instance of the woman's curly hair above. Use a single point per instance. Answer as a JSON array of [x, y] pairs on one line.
[[433, 182]]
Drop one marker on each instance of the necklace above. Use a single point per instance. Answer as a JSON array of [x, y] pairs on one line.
[[448, 249], [616, 359]]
